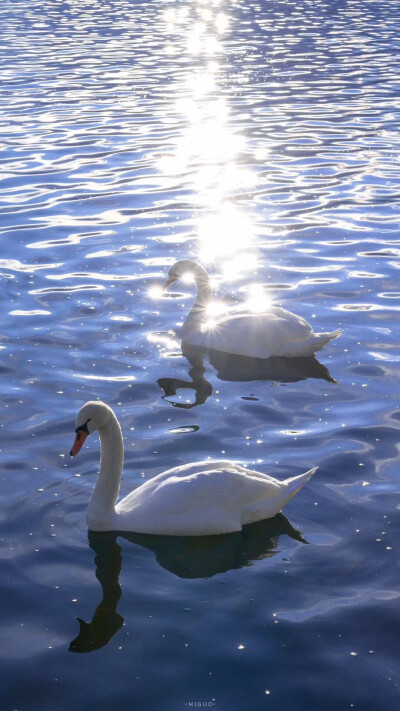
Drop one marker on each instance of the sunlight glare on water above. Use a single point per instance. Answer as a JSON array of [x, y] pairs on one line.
[[258, 300], [208, 148]]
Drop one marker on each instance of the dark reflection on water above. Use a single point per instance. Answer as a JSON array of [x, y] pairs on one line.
[[186, 557], [241, 369]]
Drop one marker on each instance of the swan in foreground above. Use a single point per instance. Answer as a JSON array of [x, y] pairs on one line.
[[275, 332], [197, 499]]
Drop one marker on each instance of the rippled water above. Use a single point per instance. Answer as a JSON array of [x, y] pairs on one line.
[[262, 139]]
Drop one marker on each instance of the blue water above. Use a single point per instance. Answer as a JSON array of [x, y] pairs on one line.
[[260, 138]]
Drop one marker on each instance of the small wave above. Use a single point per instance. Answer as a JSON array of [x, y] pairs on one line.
[[33, 312], [17, 266], [67, 289], [106, 378]]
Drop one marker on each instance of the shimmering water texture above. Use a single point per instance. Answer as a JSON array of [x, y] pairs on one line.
[[261, 139]]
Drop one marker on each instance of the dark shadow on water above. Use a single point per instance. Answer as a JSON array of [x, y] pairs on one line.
[[186, 557], [241, 369]]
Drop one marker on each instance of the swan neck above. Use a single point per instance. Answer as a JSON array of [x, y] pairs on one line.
[[203, 297], [105, 493], [203, 286]]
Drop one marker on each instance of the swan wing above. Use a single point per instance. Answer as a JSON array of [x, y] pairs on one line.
[[204, 498], [277, 332]]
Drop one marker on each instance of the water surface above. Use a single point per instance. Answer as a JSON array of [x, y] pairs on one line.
[[262, 139]]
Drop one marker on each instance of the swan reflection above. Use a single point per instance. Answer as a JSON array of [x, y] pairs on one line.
[[240, 369], [185, 557]]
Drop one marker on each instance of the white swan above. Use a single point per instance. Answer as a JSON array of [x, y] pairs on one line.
[[275, 332], [197, 499]]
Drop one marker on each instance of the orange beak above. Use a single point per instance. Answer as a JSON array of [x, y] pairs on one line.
[[79, 440], [168, 283]]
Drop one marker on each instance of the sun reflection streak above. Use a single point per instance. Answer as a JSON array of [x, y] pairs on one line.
[[224, 234], [215, 309], [206, 153], [258, 301], [208, 324], [234, 268], [155, 292], [188, 278]]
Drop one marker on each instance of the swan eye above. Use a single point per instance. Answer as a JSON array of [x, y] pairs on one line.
[[83, 428]]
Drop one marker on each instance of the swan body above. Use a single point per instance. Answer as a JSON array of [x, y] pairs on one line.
[[196, 499], [275, 332]]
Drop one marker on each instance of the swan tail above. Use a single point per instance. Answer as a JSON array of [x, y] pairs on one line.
[[321, 339], [295, 483]]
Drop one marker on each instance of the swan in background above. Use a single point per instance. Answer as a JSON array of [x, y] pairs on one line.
[[275, 332], [197, 499]]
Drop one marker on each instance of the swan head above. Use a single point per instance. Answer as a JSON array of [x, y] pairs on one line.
[[91, 417], [184, 267]]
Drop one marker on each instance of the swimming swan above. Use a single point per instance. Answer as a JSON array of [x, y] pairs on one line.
[[275, 332], [197, 499]]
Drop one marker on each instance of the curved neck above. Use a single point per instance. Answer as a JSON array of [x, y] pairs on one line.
[[203, 286], [105, 493]]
